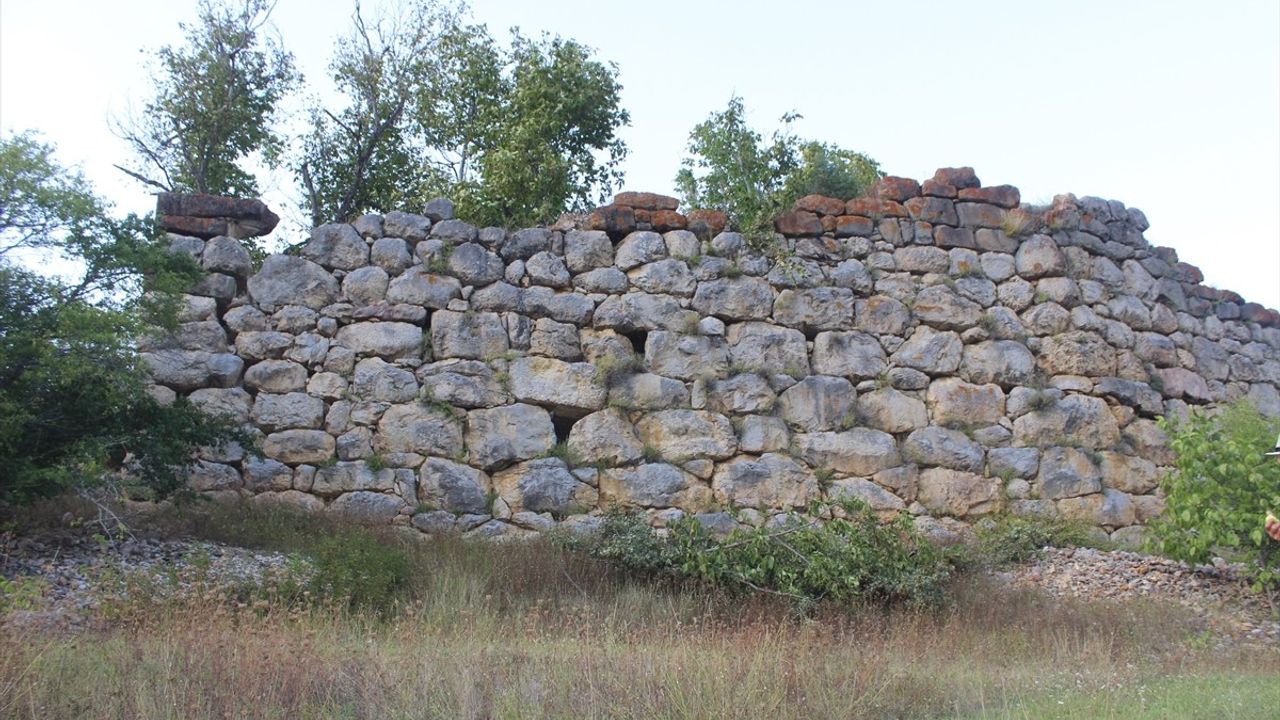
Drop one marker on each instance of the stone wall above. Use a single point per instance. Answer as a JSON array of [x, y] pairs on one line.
[[934, 348]]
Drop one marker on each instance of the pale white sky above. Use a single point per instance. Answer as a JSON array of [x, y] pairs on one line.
[[1172, 107]]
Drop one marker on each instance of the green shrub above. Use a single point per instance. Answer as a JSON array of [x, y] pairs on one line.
[[359, 569], [1220, 490], [1010, 539], [841, 560]]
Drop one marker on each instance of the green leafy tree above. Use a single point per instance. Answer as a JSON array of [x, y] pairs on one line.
[[73, 400], [363, 157], [730, 167], [214, 104], [1220, 490], [512, 136]]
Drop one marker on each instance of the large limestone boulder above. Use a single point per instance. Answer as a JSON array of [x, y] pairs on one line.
[[605, 437], [734, 299], [470, 335], [686, 357], [1134, 475], [1109, 508], [935, 352], [745, 393], [417, 287], [389, 340], [818, 403], [668, 277], [276, 376], [654, 485], [288, 280], [378, 380], [638, 248], [187, 370], [814, 308], [1006, 363], [232, 403], [848, 354], [876, 497], [1040, 256], [372, 508], [1077, 420], [768, 348], [938, 446], [860, 451], [284, 412], [941, 307], [891, 410], [569, 387], [954, 402], [646, 391], [771, 481], [586, 250], [337, 246], [346, 477], [544, 485], [1067, 472], [415, 428], [1078, 353], [882, 315], [450, 486], [295, 447], [502, 435], [462, 383], [943, 491], [643, 311], [680, 435]]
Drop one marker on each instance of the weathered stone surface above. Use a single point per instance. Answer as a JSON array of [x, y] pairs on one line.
[[407, 226], [500, 436], [205, 476], [1013, 462], [232, 403], [366, 507], [1078, 353], [586, 250], [454, 231], [768, 348], [922, 259], [1006, 363], [544, 485], [380, 381], [472, 264], [471, 335], [1130, 474], [1183, 383], [276, 376], [763, 433], [679, 435], [771, 480], [294, 447], [860, 451], [345, 477], [418, 287], [954, 402], [848, 354], [892, 411], [643, 311], [186, 370], [1110, 508], [743, 393], [415, 428], [1133, 393], [638, 248], [284, 412], [365, 286], [798, 222], [814, 309], [547, 269], [646, 391], [1067, 472], [567, 387], [389, 340], [1077, 419], [686, 357], [882, 315], [956, 493], [288, 280], [876, 497], [605, 437], [938, 446], [671, 277], [932, 351], [1039, 256], [941, 307], [450, 486], [226, 255], [462, 383], [337, 246], [734, 299], [654, 485], [818, 402]]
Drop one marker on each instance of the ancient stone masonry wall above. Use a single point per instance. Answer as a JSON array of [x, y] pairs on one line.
[[936, 349]]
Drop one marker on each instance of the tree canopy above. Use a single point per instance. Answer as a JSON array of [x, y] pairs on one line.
[[730, 167], [73, 399], [214, 105]]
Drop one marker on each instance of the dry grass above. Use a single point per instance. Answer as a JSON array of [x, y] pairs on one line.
[[529, 630]]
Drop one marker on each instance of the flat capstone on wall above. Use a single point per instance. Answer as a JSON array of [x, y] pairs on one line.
[[935, 348]]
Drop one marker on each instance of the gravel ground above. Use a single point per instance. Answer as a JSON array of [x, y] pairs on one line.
[[71, 570], [1217, 593]]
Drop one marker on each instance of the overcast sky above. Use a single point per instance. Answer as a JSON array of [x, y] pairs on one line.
[[1171, 107]]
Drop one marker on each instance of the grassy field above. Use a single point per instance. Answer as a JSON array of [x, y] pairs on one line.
[[532, 630]]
